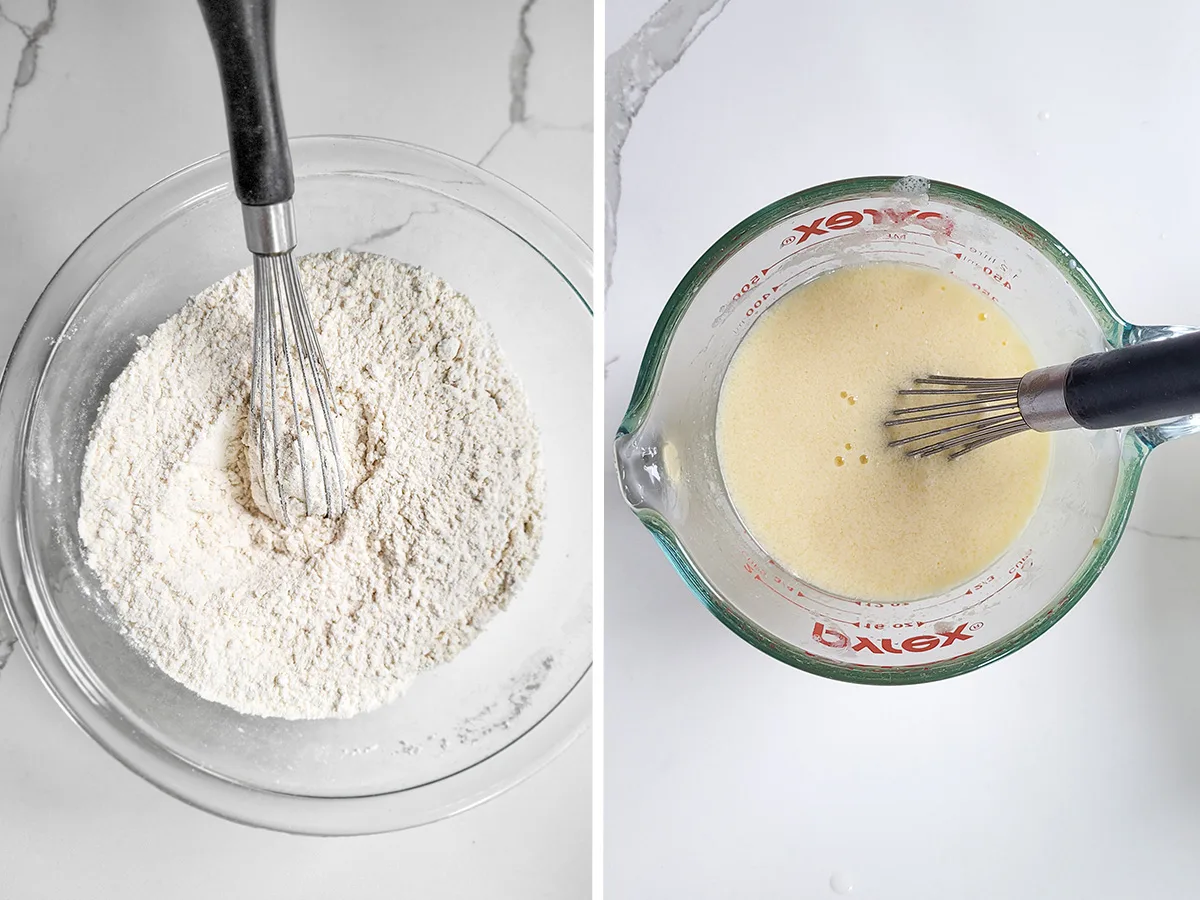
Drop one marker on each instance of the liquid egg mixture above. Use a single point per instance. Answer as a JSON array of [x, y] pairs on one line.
[[803, 450]]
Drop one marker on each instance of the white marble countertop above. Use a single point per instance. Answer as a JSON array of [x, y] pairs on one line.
[[1067, 770], [99, 100]]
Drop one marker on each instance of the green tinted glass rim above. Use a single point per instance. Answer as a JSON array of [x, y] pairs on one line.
[[1135, 447]]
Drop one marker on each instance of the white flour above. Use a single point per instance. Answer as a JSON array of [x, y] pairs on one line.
[[331, 618]]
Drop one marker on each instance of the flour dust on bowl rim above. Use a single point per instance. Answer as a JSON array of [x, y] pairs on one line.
[[464, 731], [666, 455]]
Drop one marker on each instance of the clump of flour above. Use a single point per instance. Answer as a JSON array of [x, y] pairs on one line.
[[331, 617]]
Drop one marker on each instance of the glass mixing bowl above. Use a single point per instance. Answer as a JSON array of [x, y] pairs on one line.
[[464, 731], [666, 446]]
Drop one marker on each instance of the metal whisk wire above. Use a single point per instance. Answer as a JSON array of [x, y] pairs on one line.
[[987, 412], [286, 348]]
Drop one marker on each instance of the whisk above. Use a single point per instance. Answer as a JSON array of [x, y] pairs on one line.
[[1132, 385], [294, 452]]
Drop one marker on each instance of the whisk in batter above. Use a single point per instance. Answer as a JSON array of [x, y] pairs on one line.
[[804, 453]]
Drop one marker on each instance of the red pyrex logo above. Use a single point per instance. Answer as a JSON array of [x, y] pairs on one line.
[[920, 643], [849, 218]]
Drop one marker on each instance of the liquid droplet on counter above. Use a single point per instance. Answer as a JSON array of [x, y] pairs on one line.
[[838, 461], [841, 883], [848, 447], [863, 459], [1044, 115]]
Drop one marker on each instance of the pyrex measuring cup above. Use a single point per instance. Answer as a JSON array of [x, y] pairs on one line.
[[666, 447]]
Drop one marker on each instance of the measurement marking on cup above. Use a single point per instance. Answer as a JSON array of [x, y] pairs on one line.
[[815, 604], [757, 575], [824, 228], [974, 589], [1016, 575], [780, 263], [997, 273], [749, 286], [977, 590], [978, 602], [757, 304], [879, 626], [769, 581]]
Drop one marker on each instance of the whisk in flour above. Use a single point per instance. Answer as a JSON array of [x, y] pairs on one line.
[[444, 499]]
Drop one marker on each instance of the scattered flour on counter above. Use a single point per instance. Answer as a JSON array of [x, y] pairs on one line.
[[330, 618]]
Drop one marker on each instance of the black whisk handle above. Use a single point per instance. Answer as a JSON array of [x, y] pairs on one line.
[[243, 38], [1133, 385]]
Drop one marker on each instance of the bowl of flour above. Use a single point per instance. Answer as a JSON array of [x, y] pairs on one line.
[[410, 659]]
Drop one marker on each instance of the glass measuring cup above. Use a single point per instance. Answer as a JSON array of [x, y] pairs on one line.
[[666, 445]]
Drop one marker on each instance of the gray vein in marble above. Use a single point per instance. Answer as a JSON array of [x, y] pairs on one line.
[[532, 125], [1163, 534], [27, 67], [496, 143], [394, 229], [610, 362], [4, 17], [386, 232], [629, 74], [537, 127], [518, 66], [518, 80]]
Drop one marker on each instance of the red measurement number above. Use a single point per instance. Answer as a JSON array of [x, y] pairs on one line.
[[747, 288], [997, 277]]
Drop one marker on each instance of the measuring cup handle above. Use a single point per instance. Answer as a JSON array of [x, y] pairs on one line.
[[1183, 424]]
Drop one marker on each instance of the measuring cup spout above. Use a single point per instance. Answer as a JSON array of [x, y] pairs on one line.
[[641, 471]]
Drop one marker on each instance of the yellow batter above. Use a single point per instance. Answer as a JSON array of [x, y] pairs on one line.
[[803, 449]]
